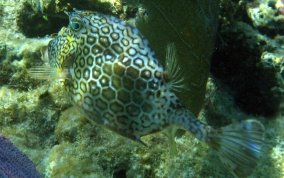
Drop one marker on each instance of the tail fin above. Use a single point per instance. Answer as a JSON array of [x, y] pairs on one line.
[[239, 146]]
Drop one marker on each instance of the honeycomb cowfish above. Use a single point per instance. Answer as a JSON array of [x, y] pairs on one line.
[[111, 73]]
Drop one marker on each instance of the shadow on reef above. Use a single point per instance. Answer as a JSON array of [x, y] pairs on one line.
[[38, 20], [34, 23], [92, 5], [251, 82]]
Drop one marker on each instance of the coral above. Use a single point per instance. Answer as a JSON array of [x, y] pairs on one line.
[[33, 22], [266, 17], [13, 163], [105, 6], [239, 63], [37, 18], [280, 6], [261, 15]]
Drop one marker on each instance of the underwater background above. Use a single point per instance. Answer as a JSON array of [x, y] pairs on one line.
[[232, 55]]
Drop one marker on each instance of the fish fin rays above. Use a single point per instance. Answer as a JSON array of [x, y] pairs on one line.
[[239, 146], [173, 71], [42, 72], [170, 132], [47, 73]]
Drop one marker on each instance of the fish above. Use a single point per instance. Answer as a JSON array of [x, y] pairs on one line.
[[113, 76], [14, 163]]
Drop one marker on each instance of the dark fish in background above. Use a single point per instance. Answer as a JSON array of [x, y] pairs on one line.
[[13, 163]]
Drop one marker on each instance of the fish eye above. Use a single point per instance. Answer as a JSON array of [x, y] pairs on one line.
[[75, 24]]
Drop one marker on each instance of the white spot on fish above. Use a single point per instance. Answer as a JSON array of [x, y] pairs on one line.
[[125, 60], [96, 73], [105, 29], [147, 74], [125, 42], [103, 81], [138, 62], [136, 41], [132, 51], [108, 57], [86, 73]]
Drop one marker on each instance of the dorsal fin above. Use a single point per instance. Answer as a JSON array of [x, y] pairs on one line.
[[173, 70]]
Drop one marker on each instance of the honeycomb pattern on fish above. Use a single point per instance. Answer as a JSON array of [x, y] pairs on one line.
[[115, 77]]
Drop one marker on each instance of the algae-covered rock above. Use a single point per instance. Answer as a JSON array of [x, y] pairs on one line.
[[42, 17], [266, 16], [240, 60]]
